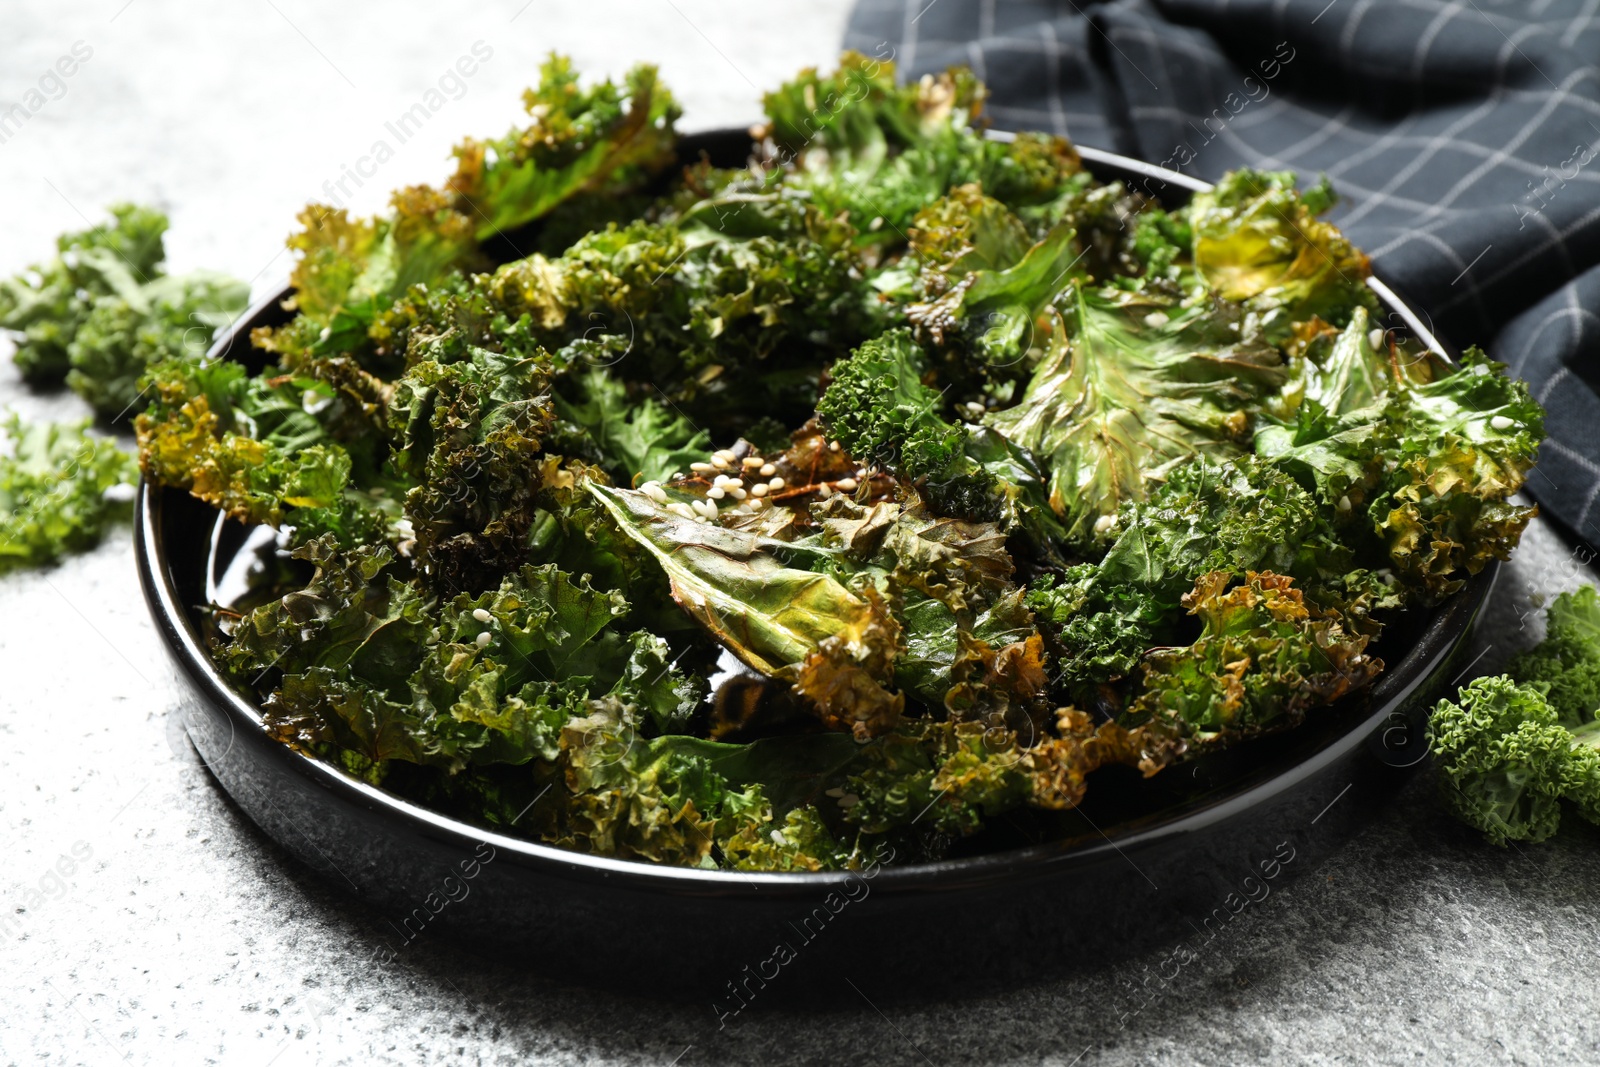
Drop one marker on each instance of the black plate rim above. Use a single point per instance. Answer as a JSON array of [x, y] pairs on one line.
[[1438, 637]]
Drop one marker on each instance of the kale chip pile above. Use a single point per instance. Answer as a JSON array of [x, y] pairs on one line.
[[961, 473]]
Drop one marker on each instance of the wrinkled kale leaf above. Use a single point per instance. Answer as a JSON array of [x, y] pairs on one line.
[[60, 489], [105, 311], [967, 473]]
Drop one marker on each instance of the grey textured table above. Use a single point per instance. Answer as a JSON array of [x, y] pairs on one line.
[[185, 937]]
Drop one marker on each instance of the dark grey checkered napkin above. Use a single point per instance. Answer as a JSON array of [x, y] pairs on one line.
[[1464, 137]]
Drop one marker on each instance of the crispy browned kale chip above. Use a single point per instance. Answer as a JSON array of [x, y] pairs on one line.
[[964, 473]]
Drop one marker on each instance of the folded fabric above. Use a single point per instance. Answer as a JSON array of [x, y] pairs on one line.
[[1463, 139]]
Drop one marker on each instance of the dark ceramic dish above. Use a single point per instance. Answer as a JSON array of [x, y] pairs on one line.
[[1179, 855]]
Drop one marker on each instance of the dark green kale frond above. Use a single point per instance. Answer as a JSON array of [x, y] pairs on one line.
[[1503, 753], [1510, 748], [966, 231], [690, 801], [1235, 516], [1097, 631], [1160, 241], [861, 145], [469, 437], [354, 614], [994, 317], [768, 290], [882, 411], [944, 779], [731, 310], [1231, 518], [642, 441], [60, 489], [1427, 467]]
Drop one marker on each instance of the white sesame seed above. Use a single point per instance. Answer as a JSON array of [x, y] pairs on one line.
[[1375, 338], [759, 489], [849, 800], [719, 463], [833, 446], [715, 492], [1104, 523], [654, 491], [776, 483], [847, 485], [778, 838], [755, 503], [836, 792], [484, 638], [752, 462], [1156, 319], [768, 470], [1501, 422], [736, 491], [824, 491], [701, 468], [1344, 503], [682, 509], [481, 614], [724, 454]]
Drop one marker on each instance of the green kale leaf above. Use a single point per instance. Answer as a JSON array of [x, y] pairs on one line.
[[1503, 754], [1264, 658], [1568, 659], [1132, 388], [46, 305], [60, 489], [104, 312], [602, 141]]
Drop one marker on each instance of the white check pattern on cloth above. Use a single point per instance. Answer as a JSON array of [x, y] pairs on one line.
[[1463, 137]]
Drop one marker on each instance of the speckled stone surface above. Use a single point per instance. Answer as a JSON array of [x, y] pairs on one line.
[[180, 935]]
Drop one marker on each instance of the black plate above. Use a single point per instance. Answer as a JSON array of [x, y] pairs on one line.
[[1190, 848]]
